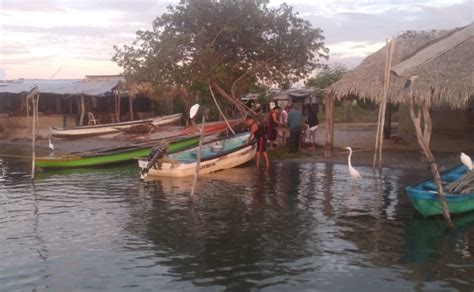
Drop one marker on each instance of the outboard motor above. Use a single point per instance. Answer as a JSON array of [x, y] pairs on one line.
[[157, 152]]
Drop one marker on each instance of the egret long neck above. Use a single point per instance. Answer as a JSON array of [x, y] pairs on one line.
[[349, 158]]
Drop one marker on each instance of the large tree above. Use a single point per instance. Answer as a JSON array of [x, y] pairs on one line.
[[225, 45]]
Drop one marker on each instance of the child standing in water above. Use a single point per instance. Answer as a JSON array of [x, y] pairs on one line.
[[257, 132]]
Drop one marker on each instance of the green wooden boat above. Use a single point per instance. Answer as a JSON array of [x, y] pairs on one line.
[[114, 154], [424, 196]]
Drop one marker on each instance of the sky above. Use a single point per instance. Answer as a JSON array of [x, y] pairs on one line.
[[62, 39]]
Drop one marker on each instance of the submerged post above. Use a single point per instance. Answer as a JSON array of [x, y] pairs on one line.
[[192, 114]]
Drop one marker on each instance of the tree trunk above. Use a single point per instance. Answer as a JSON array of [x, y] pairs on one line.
[[243, 110], [423, 140], [330, 115]]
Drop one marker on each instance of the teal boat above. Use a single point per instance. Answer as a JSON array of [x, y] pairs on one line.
[[424, 196]]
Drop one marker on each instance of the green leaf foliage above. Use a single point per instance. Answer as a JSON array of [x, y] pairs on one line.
[[230, 45]]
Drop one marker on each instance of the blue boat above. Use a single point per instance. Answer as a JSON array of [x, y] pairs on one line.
[[424, 196]]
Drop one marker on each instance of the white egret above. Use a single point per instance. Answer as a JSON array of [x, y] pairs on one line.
[[466, 160], [50, 145], [352, 171], [193, 111]]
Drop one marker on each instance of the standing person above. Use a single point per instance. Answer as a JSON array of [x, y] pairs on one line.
[[273, 124], [294, 125], [257, 132], [313, 124], [283, 130], [284, 115]]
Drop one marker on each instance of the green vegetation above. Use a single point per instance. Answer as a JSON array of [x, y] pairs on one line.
[[351, 111], [227, 45], [326, 77]]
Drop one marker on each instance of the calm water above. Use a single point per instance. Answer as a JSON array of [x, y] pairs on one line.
[[302, 227]]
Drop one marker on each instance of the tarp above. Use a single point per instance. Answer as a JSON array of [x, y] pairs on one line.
[[93, 87]]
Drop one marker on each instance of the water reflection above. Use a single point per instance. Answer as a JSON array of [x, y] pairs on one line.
[[300, 226]]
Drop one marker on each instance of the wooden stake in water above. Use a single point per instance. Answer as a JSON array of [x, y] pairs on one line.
[[198, 162], [383, 105], [33, 97]]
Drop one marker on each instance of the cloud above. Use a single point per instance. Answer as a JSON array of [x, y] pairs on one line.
[[63, 33]]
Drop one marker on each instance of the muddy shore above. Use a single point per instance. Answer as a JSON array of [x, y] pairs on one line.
[[361, 137]]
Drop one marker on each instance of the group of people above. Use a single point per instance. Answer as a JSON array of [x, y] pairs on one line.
[[279, 123]]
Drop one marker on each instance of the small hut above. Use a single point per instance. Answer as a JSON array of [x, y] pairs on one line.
[[435, 71], [67, 102], [446, 78], [298, 97]]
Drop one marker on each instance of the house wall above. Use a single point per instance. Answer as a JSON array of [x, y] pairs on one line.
[[45, 122], [447, 124], [284, 102]]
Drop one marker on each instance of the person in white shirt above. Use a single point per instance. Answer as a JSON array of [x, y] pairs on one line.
[[283, 130]]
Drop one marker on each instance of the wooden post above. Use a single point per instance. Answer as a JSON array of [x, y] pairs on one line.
[[220, 111], [33, 138], [423, 138], [33, 97], [117, 106], [387, 130], [82, 110], [199, 154], [330, 116], [130, 106], [58, 105], [383, 106], [34, 102]]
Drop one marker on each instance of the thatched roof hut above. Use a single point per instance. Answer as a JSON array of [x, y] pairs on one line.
[[450, 73]]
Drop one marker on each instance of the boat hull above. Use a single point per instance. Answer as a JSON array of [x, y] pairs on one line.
[[226, 161], [424, 196], [428, 204], [97, 130], [111, 158]]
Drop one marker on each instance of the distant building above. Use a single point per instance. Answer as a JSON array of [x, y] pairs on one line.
[[65, 103], [298, 97]]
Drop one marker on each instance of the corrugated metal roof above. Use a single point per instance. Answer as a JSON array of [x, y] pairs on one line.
[[94, 87]]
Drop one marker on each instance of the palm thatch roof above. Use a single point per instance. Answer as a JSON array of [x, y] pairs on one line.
[[449, 72]]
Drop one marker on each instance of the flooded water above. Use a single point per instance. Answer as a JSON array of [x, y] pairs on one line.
[[301, 227]]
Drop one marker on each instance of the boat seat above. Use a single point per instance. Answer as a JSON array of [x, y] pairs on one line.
[[92, 119]]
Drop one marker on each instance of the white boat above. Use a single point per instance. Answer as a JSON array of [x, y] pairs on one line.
[[95, 130], [215, 155]]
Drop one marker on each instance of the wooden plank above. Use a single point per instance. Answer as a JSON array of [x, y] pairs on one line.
[[433, 51]]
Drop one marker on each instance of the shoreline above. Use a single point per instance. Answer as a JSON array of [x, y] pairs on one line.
[[360, 136]]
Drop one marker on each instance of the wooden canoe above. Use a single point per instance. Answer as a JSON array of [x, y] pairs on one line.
[[113, 155], [216, 155], [95, 130], [424, 196]]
